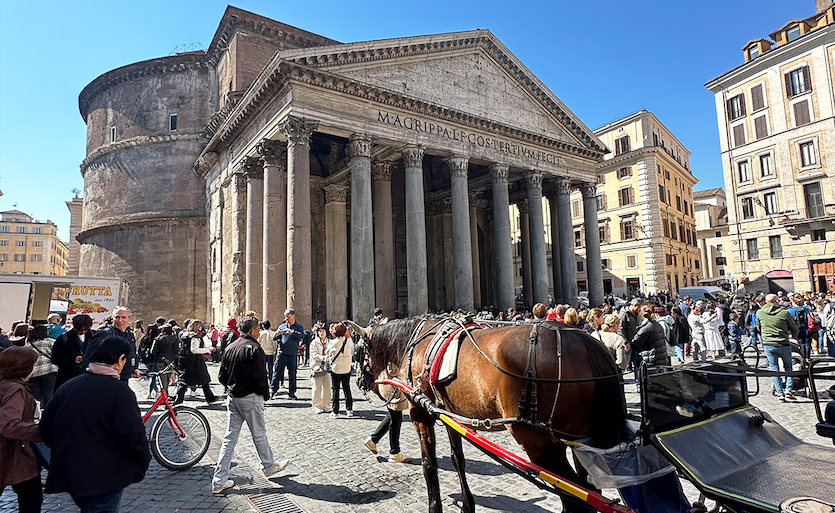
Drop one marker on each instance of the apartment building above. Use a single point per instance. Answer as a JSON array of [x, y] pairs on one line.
[[28, 246], [645, 210], [712, 235], [776, 117]]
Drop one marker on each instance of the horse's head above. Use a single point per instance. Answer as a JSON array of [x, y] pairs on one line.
[[382, 344], [365, 378]]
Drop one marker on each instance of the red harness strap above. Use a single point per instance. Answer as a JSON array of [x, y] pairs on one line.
[[435, 365]]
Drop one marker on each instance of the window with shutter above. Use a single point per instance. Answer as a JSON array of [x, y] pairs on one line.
[[757, 98], [807, 154], [736, 107], [631, 195], [601, 178], [622, 145], [575, 208], [739, 135], [747, 208], [766, 166], [798, 81], [801, 113], [760, 127]]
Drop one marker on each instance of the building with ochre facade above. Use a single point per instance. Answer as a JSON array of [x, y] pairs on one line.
[[776, 115], [281, 168]]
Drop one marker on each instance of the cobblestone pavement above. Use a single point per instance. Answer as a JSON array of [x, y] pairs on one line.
[[332, 471]]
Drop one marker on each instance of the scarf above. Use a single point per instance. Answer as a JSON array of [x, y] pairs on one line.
[[103, 369]]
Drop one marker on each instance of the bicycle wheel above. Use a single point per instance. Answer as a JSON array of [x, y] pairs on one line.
[[175, 451]]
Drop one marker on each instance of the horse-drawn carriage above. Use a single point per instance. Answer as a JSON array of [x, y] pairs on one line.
[[552, 386]]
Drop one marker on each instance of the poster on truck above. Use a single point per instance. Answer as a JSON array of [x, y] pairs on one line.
[[94, 297]]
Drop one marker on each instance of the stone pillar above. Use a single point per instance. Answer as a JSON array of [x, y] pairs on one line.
[[536, 222], [275, 229], [362, 229], [238, 299], [503, 245], [569, 267], [474, 198], [254, 172], [415, 232], [385, 275], [462, 251], [525, 245], [556, 269], [594, 267], [336, 251], [299, 274]]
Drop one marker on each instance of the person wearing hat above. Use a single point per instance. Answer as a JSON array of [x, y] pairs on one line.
[[230, 335]]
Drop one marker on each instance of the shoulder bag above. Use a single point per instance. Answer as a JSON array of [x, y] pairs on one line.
[[328, 363]]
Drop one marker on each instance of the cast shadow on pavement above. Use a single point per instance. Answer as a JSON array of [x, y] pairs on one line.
[[339, 494], [504, 503]]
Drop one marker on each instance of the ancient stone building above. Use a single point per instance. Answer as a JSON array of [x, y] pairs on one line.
[[280, 168]]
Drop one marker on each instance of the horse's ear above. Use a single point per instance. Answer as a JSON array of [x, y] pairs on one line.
[[356, 327]]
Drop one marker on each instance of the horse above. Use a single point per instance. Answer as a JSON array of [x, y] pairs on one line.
[[504, 373]]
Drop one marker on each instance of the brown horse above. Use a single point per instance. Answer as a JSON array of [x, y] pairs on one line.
[[578, 391]]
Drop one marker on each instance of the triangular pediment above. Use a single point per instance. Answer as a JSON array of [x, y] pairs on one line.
[[469, 72]]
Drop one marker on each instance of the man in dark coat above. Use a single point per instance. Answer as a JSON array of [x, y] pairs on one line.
[[649, 342], [630, 320], [121, 329], [67, 350], [288, 337], [96, 433]]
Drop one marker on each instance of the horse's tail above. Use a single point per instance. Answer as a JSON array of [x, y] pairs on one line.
[[607, 419]]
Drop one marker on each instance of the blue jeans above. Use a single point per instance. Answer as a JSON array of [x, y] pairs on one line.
[[774, 354], [288, 361], [104, 503], [152, 387], [805, 342], [270, 361], [680, 352], [753, 337], [240, 409]]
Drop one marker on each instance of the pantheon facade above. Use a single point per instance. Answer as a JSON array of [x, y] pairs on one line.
[[280, 168]]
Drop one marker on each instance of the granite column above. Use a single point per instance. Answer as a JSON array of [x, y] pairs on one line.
[[536, 222], [474, 199], [416, 275], [275, 229], [385, 277], [525, 245], [299, 274], [462, 253], [502, 238], [254, 172], [362, 229], [594, 268], [336, 251], [566, 229], [556, 269]]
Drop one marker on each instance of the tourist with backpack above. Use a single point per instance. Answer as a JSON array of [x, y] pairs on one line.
[[145, 353], [801, 313]]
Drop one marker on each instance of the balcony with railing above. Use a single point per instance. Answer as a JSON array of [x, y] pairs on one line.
[[798, 217]]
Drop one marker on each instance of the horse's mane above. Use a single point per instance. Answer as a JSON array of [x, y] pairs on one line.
[[389, 341], [607, 419]]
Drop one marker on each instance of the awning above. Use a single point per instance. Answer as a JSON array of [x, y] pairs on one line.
[[779, 274]]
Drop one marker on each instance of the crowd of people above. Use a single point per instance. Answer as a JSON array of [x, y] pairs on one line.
[[57, 368]]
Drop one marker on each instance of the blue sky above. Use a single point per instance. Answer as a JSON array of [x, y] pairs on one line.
[[603, 59]]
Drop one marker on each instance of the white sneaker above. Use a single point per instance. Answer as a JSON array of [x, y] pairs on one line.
[[318, 410], [371, 445], [399, 458], [333, 415], [349, 413], [277, 467], [228, 484]]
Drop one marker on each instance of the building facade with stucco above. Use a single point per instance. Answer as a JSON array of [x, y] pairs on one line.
[[279, 168]]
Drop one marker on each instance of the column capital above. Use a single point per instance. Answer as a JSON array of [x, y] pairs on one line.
[[523, 207], [589, 190], [274, 152], [499, 172], [413, 156], [381, 170], [253, 168], [336, 193], [563, 185], [458, 165], [360, 145], [549, 190], [533, 179], [298, 130], [474, 197], [446, 205]]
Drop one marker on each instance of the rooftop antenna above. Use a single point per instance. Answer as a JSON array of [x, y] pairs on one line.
[[76, 192]]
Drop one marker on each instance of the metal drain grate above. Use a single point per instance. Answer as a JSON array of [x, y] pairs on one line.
[[272, 503]]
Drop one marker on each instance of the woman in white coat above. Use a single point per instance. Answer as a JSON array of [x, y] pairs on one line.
[[321, 394], [338, 353], [713, 338]]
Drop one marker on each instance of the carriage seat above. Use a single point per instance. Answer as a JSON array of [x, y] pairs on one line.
[[827, 427], [743, 458]]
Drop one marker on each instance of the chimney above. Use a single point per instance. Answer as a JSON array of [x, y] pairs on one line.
[[822, 5]]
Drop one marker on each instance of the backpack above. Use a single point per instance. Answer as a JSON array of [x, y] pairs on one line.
[[671, 330], [227, 338], [802, 319], [145, 346], [815, 323]]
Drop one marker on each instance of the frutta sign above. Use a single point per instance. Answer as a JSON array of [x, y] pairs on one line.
[[95, 300]]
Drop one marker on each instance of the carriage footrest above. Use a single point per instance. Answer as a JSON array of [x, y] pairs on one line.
[[825, 429]]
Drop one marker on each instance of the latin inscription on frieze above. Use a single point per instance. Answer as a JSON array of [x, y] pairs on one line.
[[439, 130]]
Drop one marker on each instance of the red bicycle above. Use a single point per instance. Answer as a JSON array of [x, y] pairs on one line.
[[181, 435]]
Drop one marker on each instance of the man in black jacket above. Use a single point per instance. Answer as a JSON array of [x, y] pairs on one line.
[[243, 371], [121, 329], [96, 433]]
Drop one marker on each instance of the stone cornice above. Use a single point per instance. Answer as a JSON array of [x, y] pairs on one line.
[[361, 53], [143, 140], [647, 151], [129, 221], [171, 64]]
